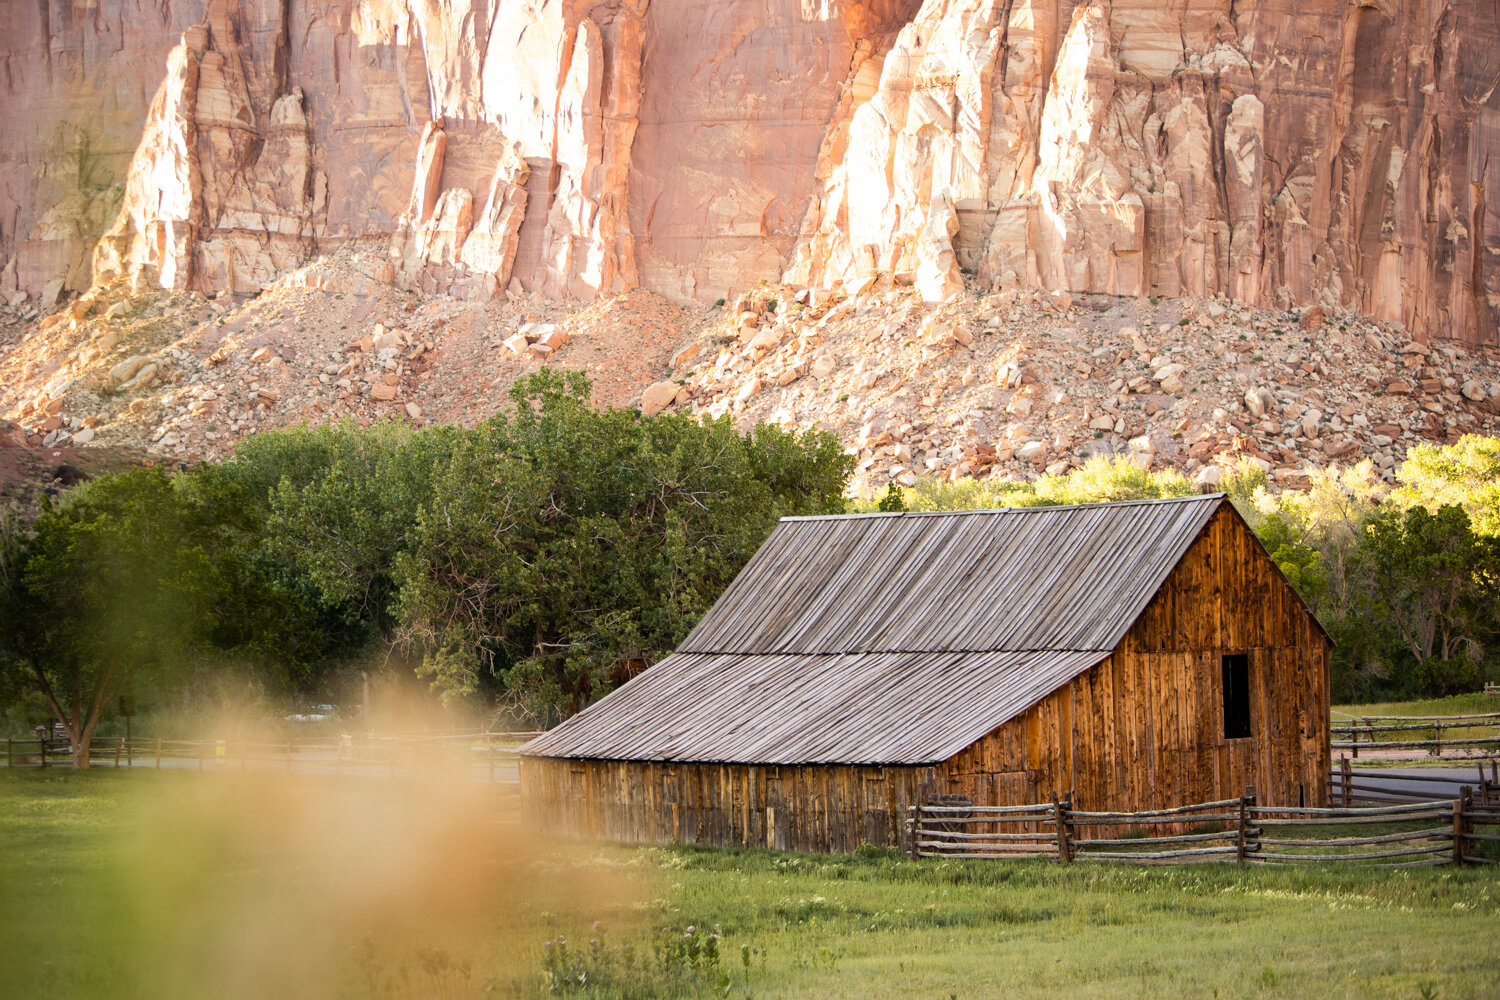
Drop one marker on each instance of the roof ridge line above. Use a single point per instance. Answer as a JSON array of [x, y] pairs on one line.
[[1007, 510], [896, 652]]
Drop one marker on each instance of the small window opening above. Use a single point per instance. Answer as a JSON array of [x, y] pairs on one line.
[[1236, 696]]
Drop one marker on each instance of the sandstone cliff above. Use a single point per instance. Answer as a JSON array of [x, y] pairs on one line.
[[1276, 153]]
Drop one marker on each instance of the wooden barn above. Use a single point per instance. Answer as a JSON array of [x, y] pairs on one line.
[[1142, 655]]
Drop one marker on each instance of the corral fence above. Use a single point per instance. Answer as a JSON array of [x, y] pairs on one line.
[[1428, 734], [489, 755], [1230, 830], [1350, 786]]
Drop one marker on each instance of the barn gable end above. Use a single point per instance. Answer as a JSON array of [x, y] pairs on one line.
[[1145, 728]]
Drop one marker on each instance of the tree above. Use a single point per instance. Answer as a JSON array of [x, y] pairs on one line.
[[1466, 474], [1098, 480], [92, 601], [340, 504], [132, 578], [1438, 581], [563, 547]]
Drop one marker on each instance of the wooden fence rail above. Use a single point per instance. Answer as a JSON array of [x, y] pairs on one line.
[[1467, 733], [1350, 785], [1451, 831], [365, 754]]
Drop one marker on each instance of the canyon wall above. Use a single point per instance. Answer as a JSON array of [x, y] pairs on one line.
[[1277, 153]]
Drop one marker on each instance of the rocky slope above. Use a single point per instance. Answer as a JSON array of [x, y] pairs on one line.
[[1282, 155], [970, 237], [998, 385]]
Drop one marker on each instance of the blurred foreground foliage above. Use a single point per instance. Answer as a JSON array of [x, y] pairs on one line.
[[536, 560]]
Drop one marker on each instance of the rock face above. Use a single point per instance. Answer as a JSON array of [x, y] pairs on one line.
[[1276, 153], [1281, 154]]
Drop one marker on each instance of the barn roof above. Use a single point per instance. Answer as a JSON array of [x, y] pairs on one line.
[[892, 638]]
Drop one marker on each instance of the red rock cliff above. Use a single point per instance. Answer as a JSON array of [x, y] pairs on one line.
[[1279, 153]]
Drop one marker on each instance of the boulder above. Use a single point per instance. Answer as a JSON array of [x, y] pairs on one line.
[[657, 398], [381, 339], [765, 340], [142, 378], [1259, 402], [126, 370]]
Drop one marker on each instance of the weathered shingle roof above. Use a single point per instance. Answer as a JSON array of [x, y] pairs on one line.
[[892, 638]]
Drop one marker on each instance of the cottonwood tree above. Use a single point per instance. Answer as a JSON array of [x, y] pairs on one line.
[[132, 579], [564, 547], [1439, 582], [92, 599]]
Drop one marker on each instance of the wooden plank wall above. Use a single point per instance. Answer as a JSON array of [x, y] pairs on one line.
[[1144, 729], [808, 808]]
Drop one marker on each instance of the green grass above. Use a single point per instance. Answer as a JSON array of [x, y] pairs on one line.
[[1032, 929], [167, 886], [1458, 704]]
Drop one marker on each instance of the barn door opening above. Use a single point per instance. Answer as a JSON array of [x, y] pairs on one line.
[[1236, 668]]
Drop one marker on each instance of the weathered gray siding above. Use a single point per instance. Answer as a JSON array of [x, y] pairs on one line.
[[817, 808]]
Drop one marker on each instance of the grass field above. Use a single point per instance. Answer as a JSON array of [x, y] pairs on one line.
[[1458, 704], [182, 885]]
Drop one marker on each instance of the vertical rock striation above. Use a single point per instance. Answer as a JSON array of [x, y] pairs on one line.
[[1278, 153]]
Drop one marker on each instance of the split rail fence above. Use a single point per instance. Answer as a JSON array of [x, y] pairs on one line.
[[1456, 831], [1429, 734], [488, 754], [1352, 786]]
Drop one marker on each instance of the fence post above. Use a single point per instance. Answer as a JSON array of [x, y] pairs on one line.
[[158, 753], [1460, 806], [916, 831], [119, 747], [1243, 843], [10, 757], [1064, 851], [1346, 781], [1437, 739], [1239, 843]]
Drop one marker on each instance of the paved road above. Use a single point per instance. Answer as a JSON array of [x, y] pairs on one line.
[[1409, 782]]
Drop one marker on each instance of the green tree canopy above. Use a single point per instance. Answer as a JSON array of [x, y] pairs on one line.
[[540, 557], [126, 579]]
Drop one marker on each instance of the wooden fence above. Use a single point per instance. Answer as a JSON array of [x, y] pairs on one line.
[[1430, 833], [1350, 786], [1429, 734], [491, 754]]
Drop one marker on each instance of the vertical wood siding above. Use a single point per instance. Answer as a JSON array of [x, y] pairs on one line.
[[1144, 729], [812, 808]]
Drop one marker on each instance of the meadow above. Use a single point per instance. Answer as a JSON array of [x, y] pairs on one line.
[[166, 886]]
